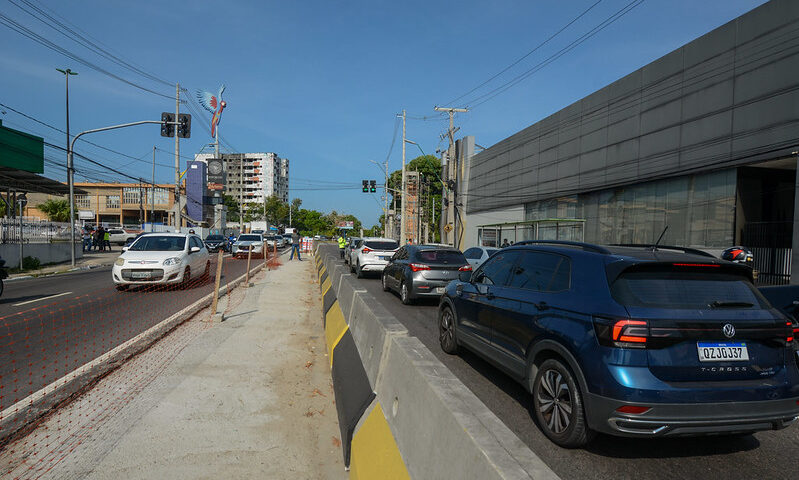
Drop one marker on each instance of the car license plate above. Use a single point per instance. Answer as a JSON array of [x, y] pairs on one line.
[[439, 289], [140, 274], [722, 352], [383, 257]]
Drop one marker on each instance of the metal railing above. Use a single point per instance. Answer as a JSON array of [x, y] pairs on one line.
[[34, 232]]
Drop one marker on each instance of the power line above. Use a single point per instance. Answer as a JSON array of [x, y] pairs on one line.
[[26, 32], [537, 47], [552, 58]]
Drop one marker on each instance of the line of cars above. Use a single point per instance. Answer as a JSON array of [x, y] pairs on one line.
[[636, 341]]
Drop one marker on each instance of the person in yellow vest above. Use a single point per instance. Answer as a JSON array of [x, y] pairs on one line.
[[341, 244]]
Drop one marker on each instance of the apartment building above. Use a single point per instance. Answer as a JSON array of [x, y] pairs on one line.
[[253, 176]]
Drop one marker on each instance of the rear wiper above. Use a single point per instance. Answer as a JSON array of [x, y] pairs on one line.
[[720, 304]]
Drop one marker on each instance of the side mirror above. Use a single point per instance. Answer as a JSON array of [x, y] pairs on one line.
[[465, 276], [125, 249], [194, 249]]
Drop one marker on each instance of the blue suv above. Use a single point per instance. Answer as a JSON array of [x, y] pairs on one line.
[[628, 340]]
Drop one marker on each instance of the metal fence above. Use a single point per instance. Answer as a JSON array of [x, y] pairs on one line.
[[773, 265], [34, 232]]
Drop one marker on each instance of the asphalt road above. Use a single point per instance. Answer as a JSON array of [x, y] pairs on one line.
[[50, 326], [763, 455]]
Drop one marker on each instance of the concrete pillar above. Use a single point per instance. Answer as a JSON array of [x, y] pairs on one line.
[[795, 237]]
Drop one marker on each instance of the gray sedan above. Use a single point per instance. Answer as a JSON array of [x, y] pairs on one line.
[[423, 271]]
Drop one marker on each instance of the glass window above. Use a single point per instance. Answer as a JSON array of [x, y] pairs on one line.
[[496, 269], [112, 201], [82, 201], [473, 253], [542, 272], [159, 243], [381, 244], [452, 257]]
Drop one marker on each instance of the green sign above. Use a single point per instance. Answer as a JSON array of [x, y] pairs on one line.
[[21, 151]]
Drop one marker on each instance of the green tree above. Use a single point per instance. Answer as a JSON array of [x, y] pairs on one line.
[[277, 212], [56, 210], [232, 207]]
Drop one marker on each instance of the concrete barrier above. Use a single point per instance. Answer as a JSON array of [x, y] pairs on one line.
[[422, 422]]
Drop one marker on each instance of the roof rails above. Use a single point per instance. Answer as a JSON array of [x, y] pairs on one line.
[[652, 248], [589, 247]]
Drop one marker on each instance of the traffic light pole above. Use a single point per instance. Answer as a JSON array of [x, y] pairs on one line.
[[70, 162], [178, 220]]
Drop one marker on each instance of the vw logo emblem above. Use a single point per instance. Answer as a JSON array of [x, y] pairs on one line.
[[729, 330]]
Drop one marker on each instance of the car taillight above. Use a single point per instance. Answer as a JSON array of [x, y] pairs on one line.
[[625, 333], [794, 329], [366, 250], [419, 266], [465, 268]]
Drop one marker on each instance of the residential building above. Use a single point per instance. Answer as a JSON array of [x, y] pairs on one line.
[[253, 177]]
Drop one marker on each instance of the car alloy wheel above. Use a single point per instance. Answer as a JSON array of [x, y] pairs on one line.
[[446, 331], [558, 406], [405, 295]]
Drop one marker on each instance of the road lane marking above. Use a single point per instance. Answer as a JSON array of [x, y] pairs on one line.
[[43, 298]]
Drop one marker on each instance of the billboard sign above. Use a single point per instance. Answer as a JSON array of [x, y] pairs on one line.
[[346, 225], [216, 175], [21, 151]]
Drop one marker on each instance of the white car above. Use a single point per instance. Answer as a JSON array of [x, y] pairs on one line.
[[281, 242], [477, 255], [247, 242], [161, 258], [372, 255], [119, 235]]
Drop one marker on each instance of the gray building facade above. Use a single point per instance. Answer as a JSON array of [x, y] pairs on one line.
[[700, 140]]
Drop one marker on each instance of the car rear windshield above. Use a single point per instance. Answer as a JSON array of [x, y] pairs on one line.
[[214, 238], [158, 243], [686, 290], [250, 238], [381, 245], [452, 257]]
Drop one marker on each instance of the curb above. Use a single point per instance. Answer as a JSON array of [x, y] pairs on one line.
[[18, 417]]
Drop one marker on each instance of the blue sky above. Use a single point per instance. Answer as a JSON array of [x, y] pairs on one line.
[[321, 82]]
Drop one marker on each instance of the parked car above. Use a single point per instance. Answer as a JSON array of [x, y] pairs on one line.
[[130, 240], [423, 271], [352, 244], [258, 231], [161, 258], [247, 242], [280, 241], [214, 243], [372, 255], [477, 255], [287, 238], [630, 341], [119, 236]]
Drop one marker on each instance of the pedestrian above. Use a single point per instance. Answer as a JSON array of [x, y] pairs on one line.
[[341, 244], [505, 243], [87, 239], [106, 240], [98, 239], [295, 245]]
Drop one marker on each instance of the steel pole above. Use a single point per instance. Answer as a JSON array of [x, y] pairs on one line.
[[152, 196], [178, 219], [403, 239]]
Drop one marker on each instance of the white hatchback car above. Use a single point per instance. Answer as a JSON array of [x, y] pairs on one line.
[[477, 255], [161, 258], [372, 255]]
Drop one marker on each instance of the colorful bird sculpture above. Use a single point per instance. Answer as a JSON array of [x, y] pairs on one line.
[[213, 104]]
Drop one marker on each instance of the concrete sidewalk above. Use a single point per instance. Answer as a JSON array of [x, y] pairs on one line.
[[251, 397], [89, 260]]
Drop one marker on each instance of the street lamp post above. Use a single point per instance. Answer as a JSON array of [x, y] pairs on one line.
[[70, 171]]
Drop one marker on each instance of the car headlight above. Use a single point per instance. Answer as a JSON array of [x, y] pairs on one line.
[[120, 261], [172, 261]]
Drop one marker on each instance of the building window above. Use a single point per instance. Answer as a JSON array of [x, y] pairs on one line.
[[82, 201], [131, 195], [112, 201]]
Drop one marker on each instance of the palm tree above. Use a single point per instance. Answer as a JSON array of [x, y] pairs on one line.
[[56, 210]]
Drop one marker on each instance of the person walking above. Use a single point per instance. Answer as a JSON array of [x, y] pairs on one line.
[[295, 245]]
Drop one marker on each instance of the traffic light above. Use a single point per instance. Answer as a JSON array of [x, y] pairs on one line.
[[167, 127], [365, 186], [184, 125], [372, 186]]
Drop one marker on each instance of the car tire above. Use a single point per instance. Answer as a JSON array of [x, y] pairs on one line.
[[558, 405], [446, 331], [405, 294], [121, 288], [384, 280], [358, 271]]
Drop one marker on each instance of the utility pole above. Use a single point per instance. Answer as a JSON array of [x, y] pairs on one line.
[[152, 196], [178, 219], [141, 203], [385, 199], [403, 238], [451, 173], [70, 181]]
